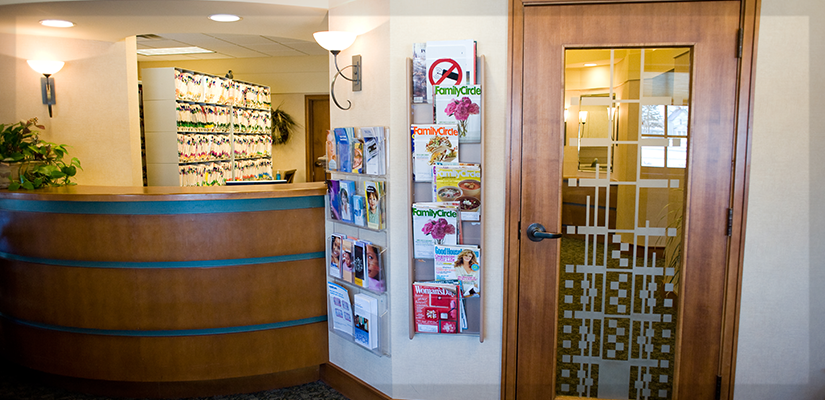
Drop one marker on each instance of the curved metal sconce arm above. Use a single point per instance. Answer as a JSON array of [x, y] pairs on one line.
[[356, 78]]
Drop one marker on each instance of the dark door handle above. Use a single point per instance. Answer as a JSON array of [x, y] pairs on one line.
[[537, 233]]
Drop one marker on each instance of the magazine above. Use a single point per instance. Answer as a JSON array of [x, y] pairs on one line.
[[419, 73], [333, 189], [375, 269], [346, 189], [358, 255], [432, 144], [359, 216], [434, 223], [346, 259], [339, 308], [450, 62], [335, 256], [332, 146], [460, 105], [366, 321], [375, 159], [437, 307], [461, 263], [374, 193], [459, 183], [343, 141], [357, 156]]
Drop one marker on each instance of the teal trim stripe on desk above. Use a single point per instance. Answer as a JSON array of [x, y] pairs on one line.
[[165, 264], [163, 207], [169, 333]]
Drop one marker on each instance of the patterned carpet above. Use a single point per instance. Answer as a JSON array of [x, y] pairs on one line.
[[18, 383]]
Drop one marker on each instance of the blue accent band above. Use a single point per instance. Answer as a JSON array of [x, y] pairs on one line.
[[165, 264], [169, 333], [163, 207]]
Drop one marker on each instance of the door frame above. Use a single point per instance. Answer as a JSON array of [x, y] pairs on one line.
[[748, 24], [309, 122]]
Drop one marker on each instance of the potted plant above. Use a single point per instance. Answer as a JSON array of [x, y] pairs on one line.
[[282, 126], [30, 163]]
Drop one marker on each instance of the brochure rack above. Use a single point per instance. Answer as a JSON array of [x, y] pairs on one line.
[[377, 237], [473, 231], [205, 131]]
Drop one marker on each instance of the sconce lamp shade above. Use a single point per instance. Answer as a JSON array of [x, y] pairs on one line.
[[45, 67], [583, 116], [334, 40]]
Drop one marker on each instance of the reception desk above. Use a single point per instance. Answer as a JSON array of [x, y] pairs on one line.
[[165, 292]]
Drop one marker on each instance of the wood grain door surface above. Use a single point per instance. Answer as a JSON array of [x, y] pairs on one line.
[[710, 30]]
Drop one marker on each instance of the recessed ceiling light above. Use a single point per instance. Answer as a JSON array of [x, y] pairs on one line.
[[590, 65], [224, 17], [168, 51], [57, 23]]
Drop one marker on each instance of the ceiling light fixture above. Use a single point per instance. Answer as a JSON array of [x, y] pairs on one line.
[[169, 51], [335, 41], [224, 18], [57, 23]]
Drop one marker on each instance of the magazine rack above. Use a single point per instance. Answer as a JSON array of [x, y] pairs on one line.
[[472, 231], [375, 236]]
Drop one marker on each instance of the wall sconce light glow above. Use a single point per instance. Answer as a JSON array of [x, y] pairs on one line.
[[224, 18], [334, 41], [590, 65], [57, 23], [583, 117], [46, 67]]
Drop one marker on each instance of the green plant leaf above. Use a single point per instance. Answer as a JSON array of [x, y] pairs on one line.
[[14, 185], [28, 185]]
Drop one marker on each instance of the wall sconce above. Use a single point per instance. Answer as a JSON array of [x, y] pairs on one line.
[[335, 41], [47, 68], [583, 117]]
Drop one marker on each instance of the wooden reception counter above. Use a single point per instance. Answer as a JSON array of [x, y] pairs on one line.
[[165, 292]]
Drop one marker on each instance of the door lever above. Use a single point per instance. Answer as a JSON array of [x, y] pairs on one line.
[[537, 233]]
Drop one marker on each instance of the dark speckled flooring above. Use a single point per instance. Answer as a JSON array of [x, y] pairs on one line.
[[17, 383]]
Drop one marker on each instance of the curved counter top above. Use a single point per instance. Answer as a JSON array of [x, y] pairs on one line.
[[163, 286]]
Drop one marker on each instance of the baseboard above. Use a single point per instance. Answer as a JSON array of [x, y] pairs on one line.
[[348, 384], [160, 390]]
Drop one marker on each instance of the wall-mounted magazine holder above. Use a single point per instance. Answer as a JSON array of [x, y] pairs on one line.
[[383, 322], [365, 233], [383, 348], [359, 180], [472, 231]]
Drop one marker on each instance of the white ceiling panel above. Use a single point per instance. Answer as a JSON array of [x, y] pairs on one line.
[[312, 49]]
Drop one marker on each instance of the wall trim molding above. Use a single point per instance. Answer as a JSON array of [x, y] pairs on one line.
[[348, 384]]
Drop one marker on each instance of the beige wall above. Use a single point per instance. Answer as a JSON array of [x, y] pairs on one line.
[[289, 79], [418, 368], [96, 93], [781, 351]]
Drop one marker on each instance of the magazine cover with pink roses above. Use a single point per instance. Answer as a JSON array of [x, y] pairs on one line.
[[434, 223], [460, 105]]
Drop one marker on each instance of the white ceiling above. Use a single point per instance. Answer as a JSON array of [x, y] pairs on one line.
[[269, 28], [227, 45]]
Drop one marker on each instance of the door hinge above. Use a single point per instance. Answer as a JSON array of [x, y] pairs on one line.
[[740, 44], [718, 388], [730, 222]]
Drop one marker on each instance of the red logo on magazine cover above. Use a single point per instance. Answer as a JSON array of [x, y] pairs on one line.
[[445, 68]]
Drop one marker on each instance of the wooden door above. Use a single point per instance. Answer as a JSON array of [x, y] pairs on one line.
[[317, 126], [544, 336]]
